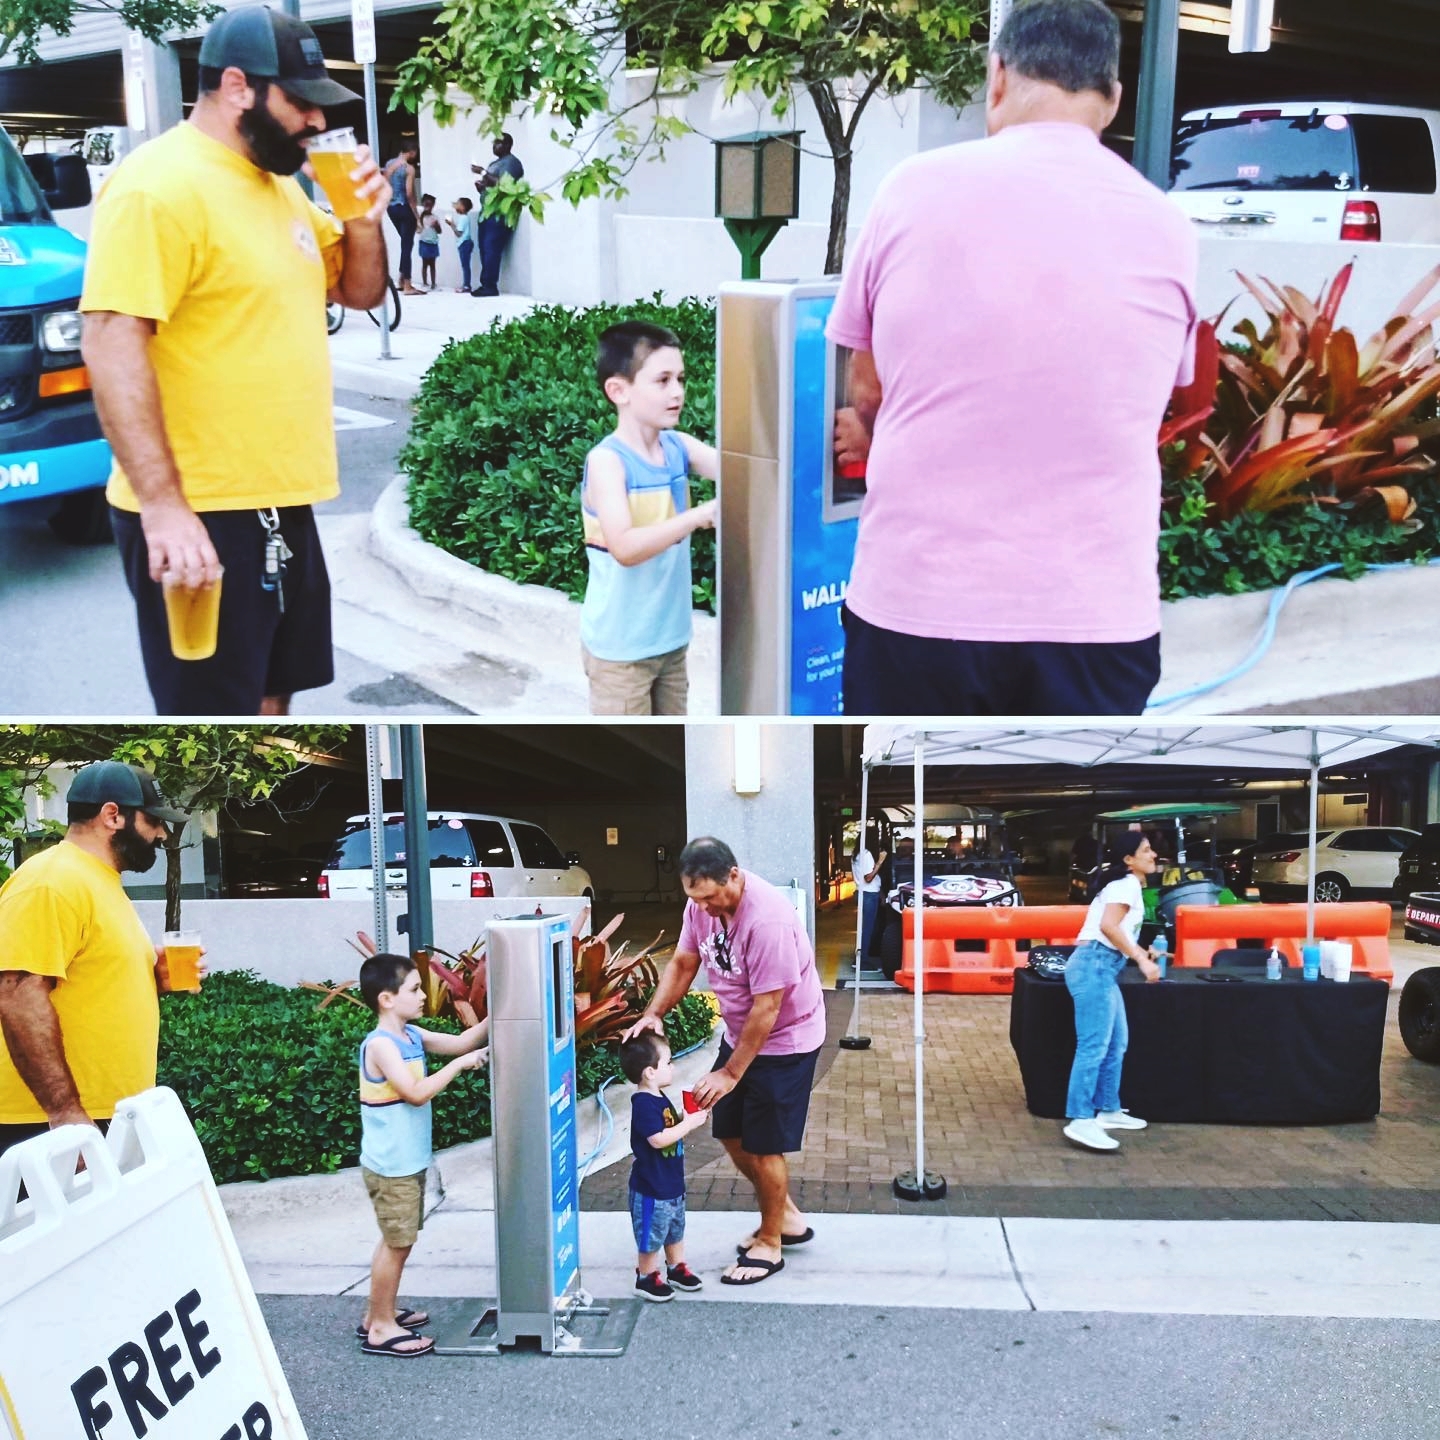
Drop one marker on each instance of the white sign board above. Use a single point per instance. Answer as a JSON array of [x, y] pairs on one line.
[[362, 28], [125, 1310]]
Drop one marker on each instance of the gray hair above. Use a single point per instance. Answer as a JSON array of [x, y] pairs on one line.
[[1074, 44], [706, 858]]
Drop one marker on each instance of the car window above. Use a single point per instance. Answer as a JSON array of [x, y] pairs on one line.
[[1400, 840], [1265, 151], [450, 845], [492, 846], [352, 850], [537, 849], [1396, 154]]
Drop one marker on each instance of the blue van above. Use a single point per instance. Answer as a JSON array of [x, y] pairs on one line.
[[51, 448]]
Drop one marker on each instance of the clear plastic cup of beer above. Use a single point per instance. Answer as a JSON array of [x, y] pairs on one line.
[[332, 157]]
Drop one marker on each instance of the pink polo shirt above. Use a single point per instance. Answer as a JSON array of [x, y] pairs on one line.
[[768, 949], [1029, 301]]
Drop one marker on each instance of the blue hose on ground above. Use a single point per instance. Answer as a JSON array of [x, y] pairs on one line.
[[1267, 632], [609, 1120]]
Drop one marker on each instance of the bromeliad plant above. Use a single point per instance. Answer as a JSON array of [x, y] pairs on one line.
[[1301, 413]]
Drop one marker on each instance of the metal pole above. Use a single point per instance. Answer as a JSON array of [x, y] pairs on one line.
[[852, 1038], [1314, 816], [372, 133], [1155, 93], [417, 838], [377, 834]]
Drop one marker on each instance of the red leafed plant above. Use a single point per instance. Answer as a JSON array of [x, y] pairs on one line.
[[1303, 413]]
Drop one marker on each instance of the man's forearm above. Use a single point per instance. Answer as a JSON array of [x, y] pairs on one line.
[[31, 1029], [365, 264], [754, 1033], [677, 978], [116, 351]]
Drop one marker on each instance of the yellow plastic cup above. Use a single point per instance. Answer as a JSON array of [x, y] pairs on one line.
[[194, 617]]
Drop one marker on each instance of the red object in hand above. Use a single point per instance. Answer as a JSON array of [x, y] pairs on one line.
[[852, 470], [691, 1104]]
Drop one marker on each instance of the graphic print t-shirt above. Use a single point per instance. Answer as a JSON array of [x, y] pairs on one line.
[[659, 1174]]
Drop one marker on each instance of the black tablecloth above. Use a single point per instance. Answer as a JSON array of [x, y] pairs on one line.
[[1260, 1052]]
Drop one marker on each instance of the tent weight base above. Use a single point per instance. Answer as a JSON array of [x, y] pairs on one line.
[[854, 1042], [909, 1186], [600, 1330]]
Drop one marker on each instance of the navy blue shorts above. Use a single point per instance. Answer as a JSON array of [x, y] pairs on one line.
[[889, 673], [766, 1111], [261, 650]]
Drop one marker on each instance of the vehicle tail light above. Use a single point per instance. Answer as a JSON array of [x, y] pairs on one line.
[[1361, 220], [1285, 857], [322, 886], [480, 885]]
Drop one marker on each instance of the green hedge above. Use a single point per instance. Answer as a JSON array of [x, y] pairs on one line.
[[502, 425], [269, 1082]]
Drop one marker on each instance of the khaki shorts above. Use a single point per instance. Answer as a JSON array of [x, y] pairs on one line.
[[399, 1202], [657, 686]]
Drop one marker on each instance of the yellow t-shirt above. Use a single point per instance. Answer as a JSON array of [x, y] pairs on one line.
[[232, 263], [64, 913]]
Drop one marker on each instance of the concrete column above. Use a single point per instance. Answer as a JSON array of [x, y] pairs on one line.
[[772, 831], [152, 87]]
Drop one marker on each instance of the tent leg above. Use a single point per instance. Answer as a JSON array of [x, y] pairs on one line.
[[852, 1039]]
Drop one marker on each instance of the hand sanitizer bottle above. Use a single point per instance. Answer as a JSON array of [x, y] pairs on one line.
[[1272, 964]]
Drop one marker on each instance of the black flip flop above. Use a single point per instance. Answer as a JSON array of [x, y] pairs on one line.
[[410, 1319], [391, 1346], [753, 1262], [788, 1240]]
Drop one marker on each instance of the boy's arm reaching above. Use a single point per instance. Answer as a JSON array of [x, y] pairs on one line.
[[629, 543], [678, 1131], [704, 461], [438, 1042], [382, 1056]]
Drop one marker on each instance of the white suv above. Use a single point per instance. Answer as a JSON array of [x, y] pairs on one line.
[[1365, 858], [472, 857], [1309, 170]]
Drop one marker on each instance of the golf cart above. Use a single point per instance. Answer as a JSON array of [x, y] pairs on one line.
[[1191, 869]]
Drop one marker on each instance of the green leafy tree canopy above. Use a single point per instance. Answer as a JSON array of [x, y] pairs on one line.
[[563, 61], [24, 22]]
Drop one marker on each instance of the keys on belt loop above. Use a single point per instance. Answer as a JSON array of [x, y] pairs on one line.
[[277, 552]]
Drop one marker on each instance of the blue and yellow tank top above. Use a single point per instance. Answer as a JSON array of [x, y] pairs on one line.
[[394, 1135], [635, 612]]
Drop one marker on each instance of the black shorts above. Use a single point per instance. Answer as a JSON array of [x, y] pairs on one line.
[[766, 1111], [18, 1133], [889, 673], [261, 650]]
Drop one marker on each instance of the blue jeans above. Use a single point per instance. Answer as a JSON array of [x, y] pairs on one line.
[[466, 250], [402, 217], [869, 905], [1101, 1032], [494, 237]]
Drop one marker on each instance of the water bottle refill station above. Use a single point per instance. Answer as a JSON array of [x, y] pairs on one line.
[[539, 1298], [788, 520]]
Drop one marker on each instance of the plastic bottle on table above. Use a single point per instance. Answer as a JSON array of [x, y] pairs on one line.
[[1161, 948], [1273, 966], [1310, 962]]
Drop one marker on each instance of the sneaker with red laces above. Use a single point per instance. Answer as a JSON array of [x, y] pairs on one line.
[[682, 1277], [652, 1287]]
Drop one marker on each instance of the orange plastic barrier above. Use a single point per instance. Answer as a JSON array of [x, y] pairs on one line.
[[991, 971], [1201, 930]]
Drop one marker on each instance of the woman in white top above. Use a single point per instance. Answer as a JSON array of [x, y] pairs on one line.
[[1107, 940]]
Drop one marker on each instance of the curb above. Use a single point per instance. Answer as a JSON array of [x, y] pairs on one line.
[[373, 379]]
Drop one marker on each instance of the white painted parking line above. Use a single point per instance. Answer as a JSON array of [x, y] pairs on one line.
[[347, 419]]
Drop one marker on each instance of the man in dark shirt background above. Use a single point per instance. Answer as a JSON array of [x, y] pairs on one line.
[[494, 232]]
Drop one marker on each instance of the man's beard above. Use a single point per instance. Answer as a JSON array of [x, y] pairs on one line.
[[272, 146], [132, 850]]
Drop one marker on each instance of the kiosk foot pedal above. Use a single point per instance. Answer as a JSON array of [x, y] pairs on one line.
[[599, 1330]]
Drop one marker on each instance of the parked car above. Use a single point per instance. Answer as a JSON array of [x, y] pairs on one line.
[[1309, 170], [942, 891], [1239, 864], [1419, 864], [471, 857], [1360, 860]]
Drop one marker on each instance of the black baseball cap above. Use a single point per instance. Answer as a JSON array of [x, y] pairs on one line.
[[127, 785], [271, 46]]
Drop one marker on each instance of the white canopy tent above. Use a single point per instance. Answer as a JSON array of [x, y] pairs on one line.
[[1221, 747]]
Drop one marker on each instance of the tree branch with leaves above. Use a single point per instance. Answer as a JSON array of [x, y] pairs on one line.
[[23, 23]]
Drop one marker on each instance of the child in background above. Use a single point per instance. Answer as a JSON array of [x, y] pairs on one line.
[[395, 1153], [429, 238], [657, 1176], [462, 222], [635, 503]]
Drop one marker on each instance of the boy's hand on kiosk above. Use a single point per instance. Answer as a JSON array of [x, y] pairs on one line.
[[474, 1059], [704, 515]]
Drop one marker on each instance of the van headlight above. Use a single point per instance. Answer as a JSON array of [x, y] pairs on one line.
[[60, 332]]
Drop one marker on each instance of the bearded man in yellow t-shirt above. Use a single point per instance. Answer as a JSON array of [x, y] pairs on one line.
[[79, 1019], [205, 337]]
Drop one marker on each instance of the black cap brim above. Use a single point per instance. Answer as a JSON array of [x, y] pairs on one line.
[[168, 815], [323, 93]]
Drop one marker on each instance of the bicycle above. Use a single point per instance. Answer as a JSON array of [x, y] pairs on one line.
[[335, 312]]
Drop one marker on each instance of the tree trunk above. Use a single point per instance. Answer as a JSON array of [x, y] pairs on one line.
[[172, 882], [839, 214]]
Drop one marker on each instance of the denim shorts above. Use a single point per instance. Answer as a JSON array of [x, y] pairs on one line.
[[656, 1222]]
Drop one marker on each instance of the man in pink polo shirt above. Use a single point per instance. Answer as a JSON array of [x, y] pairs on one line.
[[1020, 308], [761, 967]]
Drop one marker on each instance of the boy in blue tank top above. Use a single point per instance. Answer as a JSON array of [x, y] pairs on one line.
[[635, 502], [395, 1095]]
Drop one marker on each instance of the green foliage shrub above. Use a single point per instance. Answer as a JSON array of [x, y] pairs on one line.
[[269, 1079], [503, 422]]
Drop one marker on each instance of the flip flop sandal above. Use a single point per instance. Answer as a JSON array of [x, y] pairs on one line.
[[752, 1262], [392, 1346], [787, 1240], [410, 1319]]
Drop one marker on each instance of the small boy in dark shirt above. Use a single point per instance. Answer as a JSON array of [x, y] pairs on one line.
[[657, 1177]]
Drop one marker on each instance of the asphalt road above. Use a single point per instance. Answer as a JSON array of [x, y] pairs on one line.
[[696, 1371], [67, 625]]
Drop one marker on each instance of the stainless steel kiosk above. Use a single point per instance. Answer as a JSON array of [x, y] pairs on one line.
[[539, 1297], [788, 517]]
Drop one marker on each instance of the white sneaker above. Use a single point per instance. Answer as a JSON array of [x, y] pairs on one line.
[[1090, 1134], [1120, 1120]]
